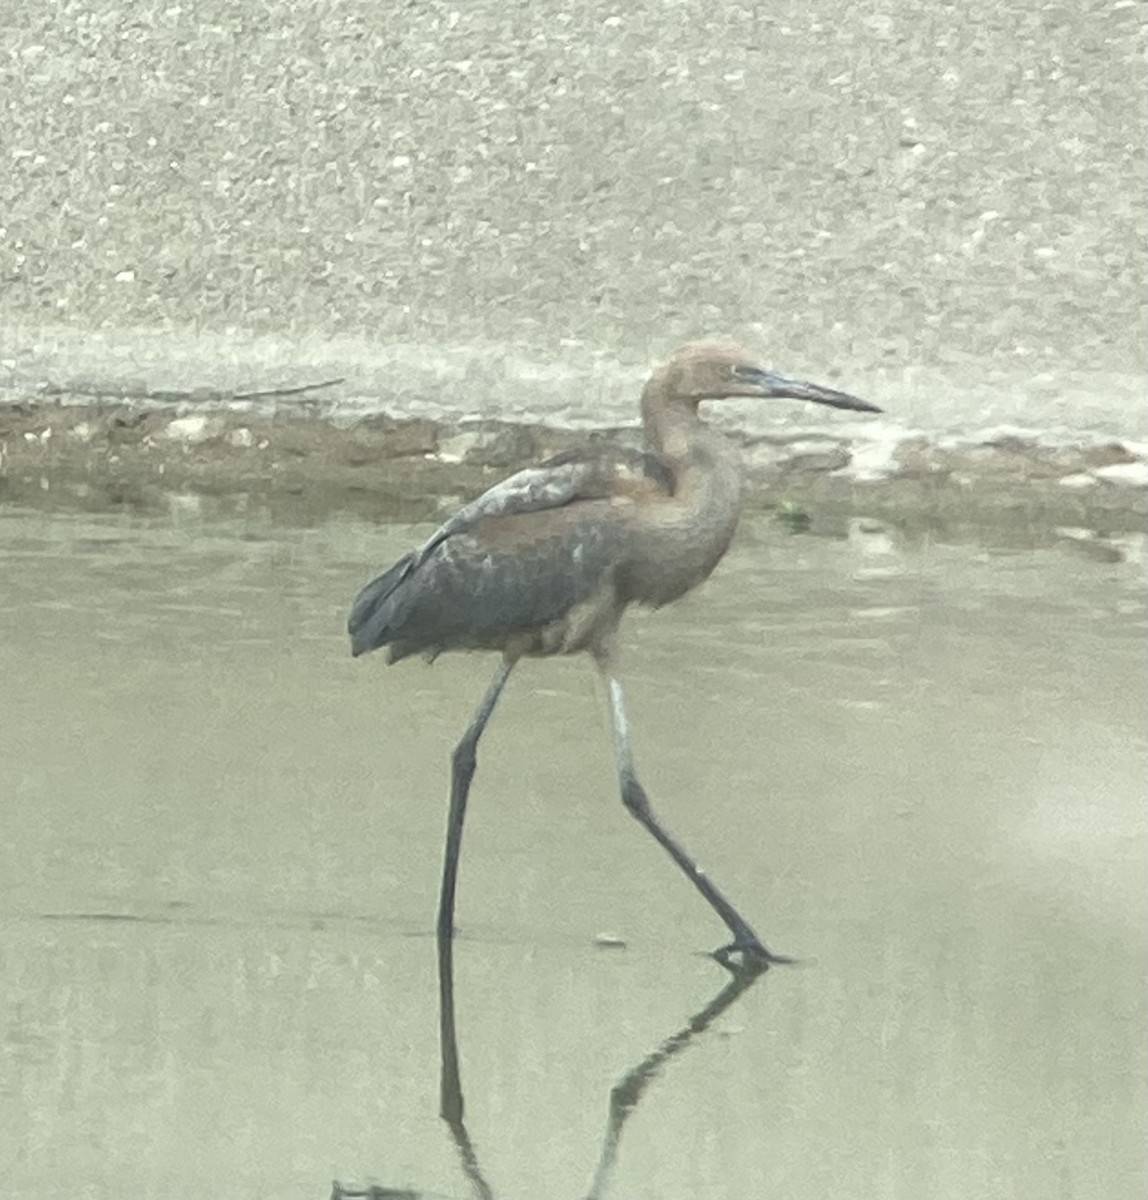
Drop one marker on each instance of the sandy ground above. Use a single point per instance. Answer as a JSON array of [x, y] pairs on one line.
[[942, 207]]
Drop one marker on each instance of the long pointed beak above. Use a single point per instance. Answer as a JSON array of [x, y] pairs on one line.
[[774, 384]]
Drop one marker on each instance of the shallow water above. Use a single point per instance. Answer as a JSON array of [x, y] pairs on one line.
[[918, 766]]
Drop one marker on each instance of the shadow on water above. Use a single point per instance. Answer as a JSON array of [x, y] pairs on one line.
[[625, 1095]]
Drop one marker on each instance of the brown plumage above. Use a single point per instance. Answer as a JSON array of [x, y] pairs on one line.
[[547, 562]]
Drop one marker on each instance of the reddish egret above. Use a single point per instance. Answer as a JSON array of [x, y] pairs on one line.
[[547, 561]]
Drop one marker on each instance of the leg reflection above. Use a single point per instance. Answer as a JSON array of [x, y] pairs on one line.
[[628, 1091], [450, 1086], [624, 1096]]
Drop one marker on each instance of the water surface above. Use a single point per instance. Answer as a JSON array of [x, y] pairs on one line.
[[918, 766]]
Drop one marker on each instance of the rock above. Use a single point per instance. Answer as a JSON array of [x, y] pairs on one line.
[[1131, 474], [1078, 482], [194, 429]]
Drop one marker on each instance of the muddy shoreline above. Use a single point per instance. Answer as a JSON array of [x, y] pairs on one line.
[[78, 452]]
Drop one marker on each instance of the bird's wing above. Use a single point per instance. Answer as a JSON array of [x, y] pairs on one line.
[[586, 473]]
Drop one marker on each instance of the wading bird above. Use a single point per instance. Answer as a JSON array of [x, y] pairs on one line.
[[547, 561]]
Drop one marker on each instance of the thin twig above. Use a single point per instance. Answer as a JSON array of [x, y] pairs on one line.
[[167, 396], [287, 391]]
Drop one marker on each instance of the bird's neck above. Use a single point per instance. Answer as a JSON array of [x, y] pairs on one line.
[[706, 464], [688, 532], [671, 426], [676, 432]]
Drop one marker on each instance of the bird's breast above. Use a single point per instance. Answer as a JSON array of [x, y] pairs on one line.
[[676, 543]]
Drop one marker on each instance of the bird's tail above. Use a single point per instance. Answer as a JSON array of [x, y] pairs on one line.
[[374, 613]]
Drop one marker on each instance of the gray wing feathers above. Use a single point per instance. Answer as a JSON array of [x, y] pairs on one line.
[[531, 490], [457, 590], [377, 607], [380, 609], [468, 594], [586, 473]]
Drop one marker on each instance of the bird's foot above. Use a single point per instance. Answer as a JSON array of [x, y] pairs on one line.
[[747, 953]]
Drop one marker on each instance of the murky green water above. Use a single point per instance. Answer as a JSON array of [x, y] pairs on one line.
[[920, 767]]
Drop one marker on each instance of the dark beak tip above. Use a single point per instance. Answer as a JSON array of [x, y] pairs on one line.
[[844, 401], [775, 384]]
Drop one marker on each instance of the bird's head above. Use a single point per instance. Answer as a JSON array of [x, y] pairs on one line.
[[715, 371]]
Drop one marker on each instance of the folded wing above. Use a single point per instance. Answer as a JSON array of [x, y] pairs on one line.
[[515, 559]]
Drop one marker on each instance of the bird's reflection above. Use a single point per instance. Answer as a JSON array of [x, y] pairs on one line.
[[628, 1091], [450, 1088], [624, 1096]]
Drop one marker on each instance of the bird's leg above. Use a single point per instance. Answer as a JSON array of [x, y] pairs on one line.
[[462, 771], [745, 941]]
